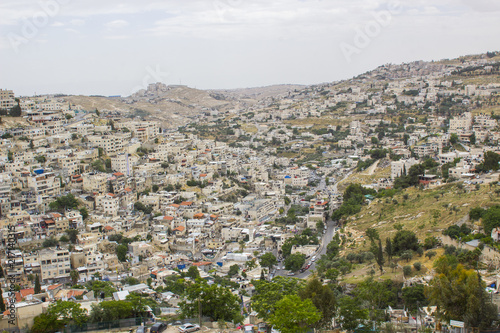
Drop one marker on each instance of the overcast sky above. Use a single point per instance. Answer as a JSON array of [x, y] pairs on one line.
[[110, 47]]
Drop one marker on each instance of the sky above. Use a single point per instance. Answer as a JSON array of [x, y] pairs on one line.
[[109, 47]]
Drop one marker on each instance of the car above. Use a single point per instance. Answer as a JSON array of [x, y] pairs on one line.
[[291, 274], [158, 327], [141, 329], [188, 328]]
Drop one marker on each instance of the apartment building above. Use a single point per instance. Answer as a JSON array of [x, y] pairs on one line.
[[54, 264], [14, 262], [461, 124], [401, 167], [45, 186], [124, 163], [5, 192], [69, 165], [7, 100], [110, 143], [108, 204], [95, 182]]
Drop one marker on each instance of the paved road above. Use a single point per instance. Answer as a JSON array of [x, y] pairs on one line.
[[327, 237]]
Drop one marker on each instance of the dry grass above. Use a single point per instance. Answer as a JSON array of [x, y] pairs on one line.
[[13, 122], [249, 128], [487, 110], [425, 212], [364, 179], [320, 122]]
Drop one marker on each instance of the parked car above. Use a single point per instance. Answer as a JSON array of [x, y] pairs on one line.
[[158, 327], [188, 328], [141, 329]]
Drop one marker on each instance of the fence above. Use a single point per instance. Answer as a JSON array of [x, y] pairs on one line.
[[106, 325]]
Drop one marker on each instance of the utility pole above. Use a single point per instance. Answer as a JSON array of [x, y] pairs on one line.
[[199, 311], [416, 321]]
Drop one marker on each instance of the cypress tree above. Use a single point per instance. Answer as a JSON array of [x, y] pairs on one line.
[[2, 304], [38, 289]]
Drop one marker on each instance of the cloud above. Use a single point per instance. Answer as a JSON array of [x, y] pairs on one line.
[[77, 22], [116, 24]]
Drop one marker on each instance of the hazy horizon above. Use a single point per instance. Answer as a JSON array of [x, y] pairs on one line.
[[117, 47]]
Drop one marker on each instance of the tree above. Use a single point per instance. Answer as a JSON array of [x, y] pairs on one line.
[[242, 245], [472, 138], [407, 255], [379, 256], [453, 138], [372, 234], [111, 310], [2, 304], [406, 270], [323, 299], [193, 272], [233, 270], [350, 313], [491, 219], [268, 293], [139, 304], [15, 111], [404, 240], [295, 261], [84, 213], [250, 264], [73, 235], [490, 162], [412, 295], [430, 254], [388, 248], [99, 287], [74, 276], [37, 288], [121, 252], [293, 315], [268, 260], [476, 213], [460, 294], [58, 315], [216, 302], [64, 202]]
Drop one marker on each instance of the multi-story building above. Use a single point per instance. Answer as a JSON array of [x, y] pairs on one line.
[[401, 167], [124, 163], [110, 143], [108, 204], [69, 165], [5, 192], [45, 186], [7, 100], [54, 264], [14, 262], [95, 182], [462, 124]]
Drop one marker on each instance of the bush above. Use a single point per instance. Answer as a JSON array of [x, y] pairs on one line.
[[407, 270], [417, 265], [431, 242], [430, 254]]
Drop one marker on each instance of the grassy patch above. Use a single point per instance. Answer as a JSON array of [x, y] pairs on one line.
[[426, 212], [249, 128]]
